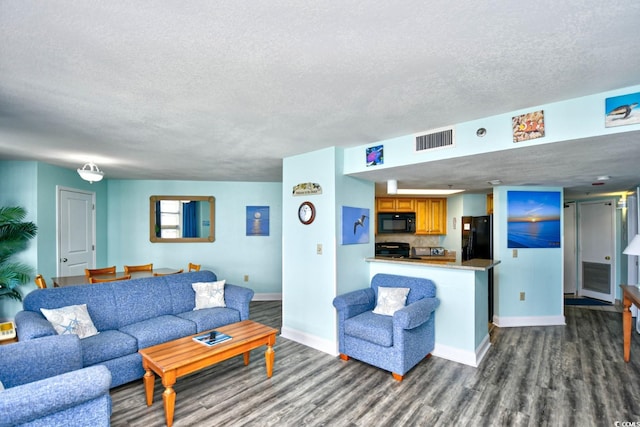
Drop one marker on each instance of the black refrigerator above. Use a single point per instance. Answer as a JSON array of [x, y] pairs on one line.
[[477, 242]]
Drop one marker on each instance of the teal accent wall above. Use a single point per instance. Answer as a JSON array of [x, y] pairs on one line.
[[33, 185], [352, 273], [50, 179], [536, 271], [309, 279], [567, 120], [231, 256], [18, 188]]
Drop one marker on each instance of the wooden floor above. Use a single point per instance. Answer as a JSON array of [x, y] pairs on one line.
[[569, 375]]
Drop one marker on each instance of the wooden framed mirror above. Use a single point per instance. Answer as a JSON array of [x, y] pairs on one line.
[[181, 219]]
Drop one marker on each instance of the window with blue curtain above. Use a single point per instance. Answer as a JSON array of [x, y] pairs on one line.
[[189, 220]]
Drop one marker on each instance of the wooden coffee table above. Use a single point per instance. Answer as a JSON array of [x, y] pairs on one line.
[[183, 356]]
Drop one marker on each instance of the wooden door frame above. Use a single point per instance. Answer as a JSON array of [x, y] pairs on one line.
[[612, 276]]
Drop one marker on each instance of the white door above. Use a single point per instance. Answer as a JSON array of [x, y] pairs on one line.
[[570, 260], [76, 231], [596, 233]]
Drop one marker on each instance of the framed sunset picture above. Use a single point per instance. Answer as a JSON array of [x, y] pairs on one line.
[[533, 219]]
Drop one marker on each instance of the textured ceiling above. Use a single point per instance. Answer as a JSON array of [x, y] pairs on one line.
[[205, 90]]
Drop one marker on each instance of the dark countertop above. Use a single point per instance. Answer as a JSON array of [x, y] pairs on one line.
[[474, 264]]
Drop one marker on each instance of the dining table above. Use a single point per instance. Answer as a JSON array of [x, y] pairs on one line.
[[62, 281]]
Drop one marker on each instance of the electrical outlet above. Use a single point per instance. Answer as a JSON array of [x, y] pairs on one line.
[[246, 277], [319, 248], [515, 253], [521, 296]]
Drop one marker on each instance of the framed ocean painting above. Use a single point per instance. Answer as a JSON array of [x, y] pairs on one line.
[[533, 219], [257, 220]]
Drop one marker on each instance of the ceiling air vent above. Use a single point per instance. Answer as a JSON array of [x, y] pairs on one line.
[[435, 139]]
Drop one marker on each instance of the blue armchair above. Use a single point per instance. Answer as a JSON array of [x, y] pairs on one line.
[[45, 385], [394, 343]]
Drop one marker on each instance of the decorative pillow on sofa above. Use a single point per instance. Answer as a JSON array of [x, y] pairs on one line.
[[209, 294], [72, 319], [390, 300]]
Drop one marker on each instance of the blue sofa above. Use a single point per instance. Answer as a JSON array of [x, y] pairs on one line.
[[393, 343], [133, 314], [45, 385]]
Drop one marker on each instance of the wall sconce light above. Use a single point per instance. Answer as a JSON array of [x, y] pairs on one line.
[[90, 172]]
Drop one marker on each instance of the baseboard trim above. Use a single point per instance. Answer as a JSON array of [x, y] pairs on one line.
[[465, 357], [267, 297], [514, 322], [309, 340]]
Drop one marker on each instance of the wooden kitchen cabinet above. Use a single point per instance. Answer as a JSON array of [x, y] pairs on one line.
[[390, 204], [489, 204], [431, 216]]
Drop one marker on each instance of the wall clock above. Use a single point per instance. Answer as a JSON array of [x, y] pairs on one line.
[[306, 213]]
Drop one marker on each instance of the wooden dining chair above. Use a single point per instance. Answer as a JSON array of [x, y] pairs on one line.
[[40, 282], [95, 271], [168, 274], [110, 279], [145, 267], [194, 267]]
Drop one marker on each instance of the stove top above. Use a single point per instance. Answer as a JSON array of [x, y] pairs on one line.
[[393, 249]]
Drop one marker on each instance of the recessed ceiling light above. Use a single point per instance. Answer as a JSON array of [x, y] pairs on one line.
[[603, 178], [494, 182]]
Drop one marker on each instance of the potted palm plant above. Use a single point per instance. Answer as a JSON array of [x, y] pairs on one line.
[[14, 237]]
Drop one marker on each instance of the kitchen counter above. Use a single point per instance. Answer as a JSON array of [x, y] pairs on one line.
[[437, 262], [462, 332]]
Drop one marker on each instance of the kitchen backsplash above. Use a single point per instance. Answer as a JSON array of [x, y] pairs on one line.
[[412, 239]]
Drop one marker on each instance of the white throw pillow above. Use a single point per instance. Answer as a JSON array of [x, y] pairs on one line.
[[209, 294], [72, 319], [390, 300]]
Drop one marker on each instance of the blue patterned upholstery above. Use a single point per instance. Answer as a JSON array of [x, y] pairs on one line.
[[47, 386], [394, 343], [132, 314]]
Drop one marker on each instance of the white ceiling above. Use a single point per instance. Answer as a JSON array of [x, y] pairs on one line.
[[222, 91]]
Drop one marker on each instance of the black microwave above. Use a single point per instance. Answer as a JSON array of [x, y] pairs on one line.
[[399, 222]]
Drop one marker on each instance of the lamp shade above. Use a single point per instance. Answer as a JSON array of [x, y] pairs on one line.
[[90, 172], [634, 247]]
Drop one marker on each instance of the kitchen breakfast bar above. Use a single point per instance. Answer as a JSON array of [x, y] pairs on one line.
[[462, 327]]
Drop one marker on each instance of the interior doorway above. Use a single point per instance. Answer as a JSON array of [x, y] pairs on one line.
[[570, 252], [76, 231], [596, 242]]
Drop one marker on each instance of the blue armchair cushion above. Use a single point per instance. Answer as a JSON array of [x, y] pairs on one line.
[[71, 319], [368, 326], [390, 300], [394, 343], [28, 361], [74, 398]]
